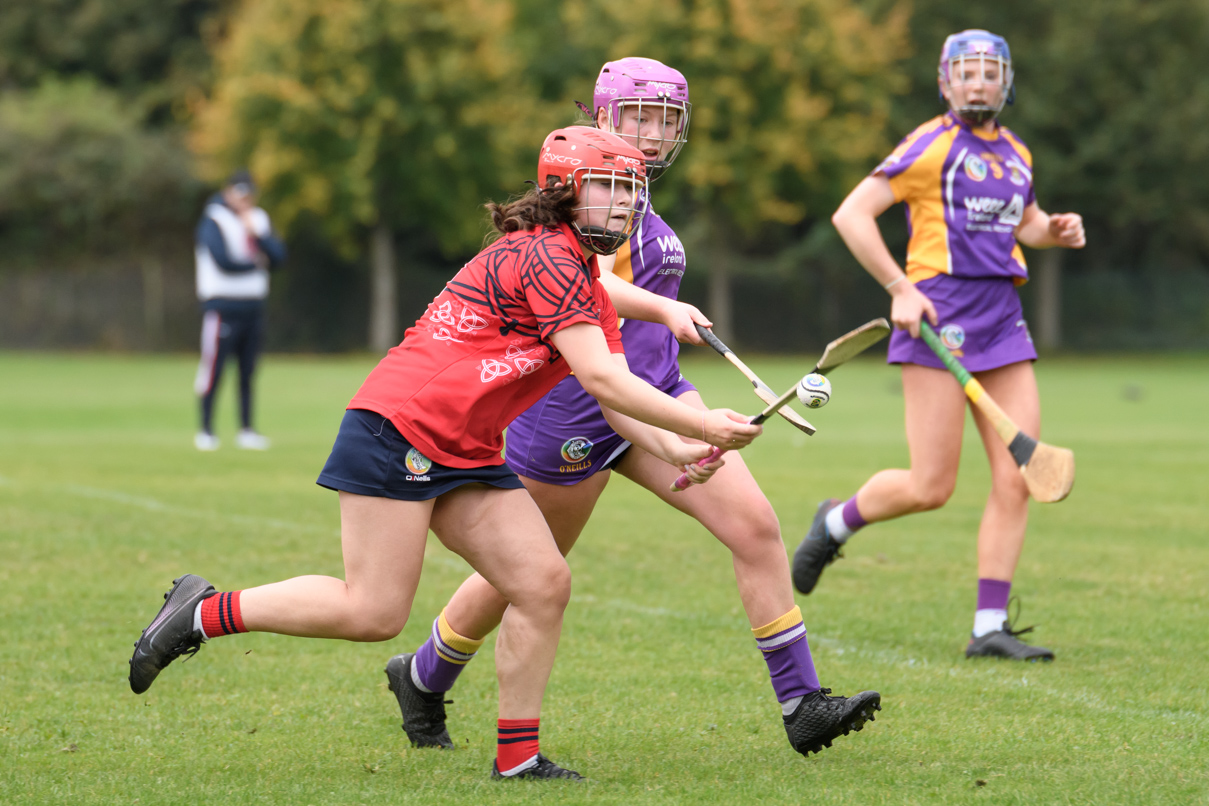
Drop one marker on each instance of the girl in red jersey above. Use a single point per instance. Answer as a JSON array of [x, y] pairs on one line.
[[419, 447], [565, 453], [967, 182]]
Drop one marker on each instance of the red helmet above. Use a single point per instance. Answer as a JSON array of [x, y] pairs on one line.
[[578, 155]]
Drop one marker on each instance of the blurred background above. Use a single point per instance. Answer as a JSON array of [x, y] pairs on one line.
[[378, 128]]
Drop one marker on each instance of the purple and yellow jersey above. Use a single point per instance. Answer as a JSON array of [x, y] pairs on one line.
[[966, 192], [652, 259], [564, 437]]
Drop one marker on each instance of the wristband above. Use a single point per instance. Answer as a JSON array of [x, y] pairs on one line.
[[894, 282]]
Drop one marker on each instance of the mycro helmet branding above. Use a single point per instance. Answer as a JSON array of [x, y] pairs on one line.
[[658, 92], [579, 155], [975, 57]]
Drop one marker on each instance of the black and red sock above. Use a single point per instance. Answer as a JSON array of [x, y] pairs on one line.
[[517, 745], [220, 615]]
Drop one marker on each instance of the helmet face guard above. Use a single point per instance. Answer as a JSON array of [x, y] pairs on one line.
[[977, 58], [659, 96], [607, 174], [608, 224]]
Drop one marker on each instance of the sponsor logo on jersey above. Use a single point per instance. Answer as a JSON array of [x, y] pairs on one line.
[[419, 465], [953, 336], [576, 449], [976, 168], [1016, 176]]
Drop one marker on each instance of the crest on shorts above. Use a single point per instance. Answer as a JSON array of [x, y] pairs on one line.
[[576, 449], [976, 168], [953, 336], [418, 463]]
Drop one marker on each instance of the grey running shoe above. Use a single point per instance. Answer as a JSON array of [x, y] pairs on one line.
[[816, 551], [545, 768], [170, 634], [423, 713], [1003, 643], [819, 718]]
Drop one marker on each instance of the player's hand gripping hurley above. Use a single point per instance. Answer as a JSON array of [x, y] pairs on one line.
[[846, 347], [1049, 472]]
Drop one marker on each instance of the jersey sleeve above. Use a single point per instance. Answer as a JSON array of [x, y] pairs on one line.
[[558, 290], [904, 166]]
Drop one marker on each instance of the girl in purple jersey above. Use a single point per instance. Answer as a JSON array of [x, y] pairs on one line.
[[967, 183], [564, 451]]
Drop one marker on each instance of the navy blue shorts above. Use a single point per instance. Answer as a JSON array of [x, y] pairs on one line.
[[372, 458]]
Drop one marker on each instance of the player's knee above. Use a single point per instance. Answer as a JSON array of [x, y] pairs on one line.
[[933, 496], [376, 626], [1010, 486], [554, 589]]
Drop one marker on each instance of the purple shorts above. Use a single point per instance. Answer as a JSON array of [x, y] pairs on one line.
[[564, 438], [981, 321]]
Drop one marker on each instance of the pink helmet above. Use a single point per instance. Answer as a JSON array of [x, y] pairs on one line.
[[646, 84], [577, 155]]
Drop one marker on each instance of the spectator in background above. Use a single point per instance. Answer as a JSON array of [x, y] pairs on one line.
[[236, 248]]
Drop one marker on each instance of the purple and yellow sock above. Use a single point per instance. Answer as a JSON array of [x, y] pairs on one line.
[[787, 654], [443, 656]]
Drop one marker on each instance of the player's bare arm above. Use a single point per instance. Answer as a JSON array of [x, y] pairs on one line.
[[664, 445], [633, 302], [856, 221], [588, 355], [1041, 230]]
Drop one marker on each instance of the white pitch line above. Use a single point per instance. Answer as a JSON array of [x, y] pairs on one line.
[[153, 505]]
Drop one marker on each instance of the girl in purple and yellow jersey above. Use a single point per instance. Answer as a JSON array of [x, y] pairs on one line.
[[565, 451], [967, 182]]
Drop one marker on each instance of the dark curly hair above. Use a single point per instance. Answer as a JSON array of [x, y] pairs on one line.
[[537, 208]]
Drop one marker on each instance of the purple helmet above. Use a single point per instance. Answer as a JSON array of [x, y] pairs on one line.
[[647, 85], [977, 49]]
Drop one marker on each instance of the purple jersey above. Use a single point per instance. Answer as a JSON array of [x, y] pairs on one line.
[[965, 193], [554, 439]]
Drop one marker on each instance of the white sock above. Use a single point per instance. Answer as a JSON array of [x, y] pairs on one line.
[[415, 678], [197, 624], [519, 768], [988, 620], [790, 705], [836, 527]]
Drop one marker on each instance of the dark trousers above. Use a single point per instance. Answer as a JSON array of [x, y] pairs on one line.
[[238, 330]]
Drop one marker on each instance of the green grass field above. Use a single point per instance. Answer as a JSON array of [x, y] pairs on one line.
[[659, 694]]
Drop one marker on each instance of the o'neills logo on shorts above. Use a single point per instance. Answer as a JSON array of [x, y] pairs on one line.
[[419, 465]]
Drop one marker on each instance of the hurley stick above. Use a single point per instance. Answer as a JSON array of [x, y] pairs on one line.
[[1048, 471], [763, 391]]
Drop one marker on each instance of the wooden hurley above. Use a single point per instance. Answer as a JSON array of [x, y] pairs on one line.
[[847, 346]]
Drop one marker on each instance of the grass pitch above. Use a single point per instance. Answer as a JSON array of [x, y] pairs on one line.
[[659, 694]]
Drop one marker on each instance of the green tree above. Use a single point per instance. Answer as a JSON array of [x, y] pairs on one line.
[[382, 119], [790, 104]]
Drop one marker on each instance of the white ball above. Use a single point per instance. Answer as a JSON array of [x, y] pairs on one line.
[[814, 391]]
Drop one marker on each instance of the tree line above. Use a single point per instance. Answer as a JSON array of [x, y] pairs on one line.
[[377, 129]]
